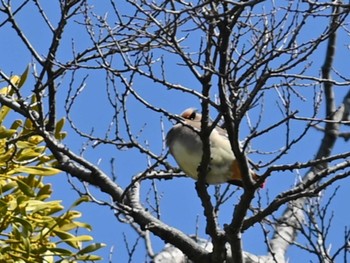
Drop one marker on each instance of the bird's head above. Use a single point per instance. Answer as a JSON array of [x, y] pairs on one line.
[[191, 114]]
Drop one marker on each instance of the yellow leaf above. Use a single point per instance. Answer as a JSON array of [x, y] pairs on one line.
[[44, 159], [44, 192], [15, 80], [42, 171], [36, 139], [5, 90], [16, 124], [12, 204], [6, 133], [61, 251], [6, 156], [71, 214], [67, 226], [24, 144], [26, 155], [37, 205], [4, 110]]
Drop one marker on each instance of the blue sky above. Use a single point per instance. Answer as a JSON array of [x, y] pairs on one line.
[[180, 206]]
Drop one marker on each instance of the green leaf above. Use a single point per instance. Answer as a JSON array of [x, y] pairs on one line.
[[73, 225], [82, 238], [82, 199], [25, 223], [26, 243], [67, 238], [88, 258], [44, 192], [59, 127], [26, 189], [91, 248], [9, 186], [23, 77], [83, 225], [61, 251]]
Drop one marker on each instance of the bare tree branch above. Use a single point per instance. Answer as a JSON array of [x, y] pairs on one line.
[[252, 65]]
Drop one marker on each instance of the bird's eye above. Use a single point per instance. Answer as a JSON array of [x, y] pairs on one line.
[[193, 115]]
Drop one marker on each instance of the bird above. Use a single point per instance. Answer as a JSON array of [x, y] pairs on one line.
[[186, 146]]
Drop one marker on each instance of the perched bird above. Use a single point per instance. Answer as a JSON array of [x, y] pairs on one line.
[[186, 146]]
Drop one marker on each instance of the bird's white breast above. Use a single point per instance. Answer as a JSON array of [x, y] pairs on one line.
[[186, 159], [221, 158]]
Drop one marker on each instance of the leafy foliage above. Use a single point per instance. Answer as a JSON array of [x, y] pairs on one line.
[[32, 227]]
